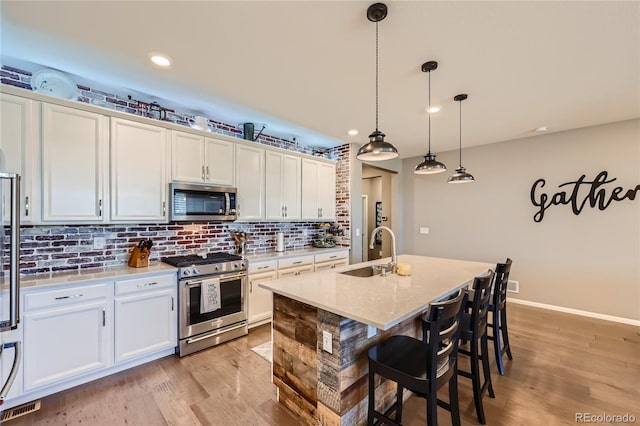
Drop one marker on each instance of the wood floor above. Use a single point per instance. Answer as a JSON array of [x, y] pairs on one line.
[[562, 365]]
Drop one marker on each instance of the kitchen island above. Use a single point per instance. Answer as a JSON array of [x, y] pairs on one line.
[[330, 388]]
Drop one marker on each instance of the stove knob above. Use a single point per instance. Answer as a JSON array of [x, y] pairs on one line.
[[186, 272], [235, 265], [196, 271]]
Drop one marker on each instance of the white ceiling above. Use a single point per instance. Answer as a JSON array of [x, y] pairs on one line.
[[306, 68]]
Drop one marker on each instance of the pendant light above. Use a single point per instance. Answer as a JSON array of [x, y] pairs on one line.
[[377, 149], [429, 166], [461, 175]]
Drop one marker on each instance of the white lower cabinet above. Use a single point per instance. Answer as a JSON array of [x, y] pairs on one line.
[[295, 266], [75, 334], [260, 300], [332, 260], [145, 316], [67, 333]]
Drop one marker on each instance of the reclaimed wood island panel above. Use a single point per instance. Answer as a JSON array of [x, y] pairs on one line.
[[331, 388]]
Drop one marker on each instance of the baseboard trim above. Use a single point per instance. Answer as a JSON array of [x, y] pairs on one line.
[[621, 320]]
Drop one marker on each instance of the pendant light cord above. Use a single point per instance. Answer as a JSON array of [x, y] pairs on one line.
[[376, 76], [429, 114], [460, 150]]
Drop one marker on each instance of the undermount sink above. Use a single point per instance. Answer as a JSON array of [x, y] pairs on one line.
[[365, 271]]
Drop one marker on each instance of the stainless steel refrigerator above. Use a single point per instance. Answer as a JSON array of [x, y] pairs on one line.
[[9, 280]]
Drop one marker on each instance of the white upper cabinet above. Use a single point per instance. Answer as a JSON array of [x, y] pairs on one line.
[[187, 157], [197, 159], [250, 176], [282, 183], [74, 165], [220, 162], [19, 135], [139, 178], [318, 190]]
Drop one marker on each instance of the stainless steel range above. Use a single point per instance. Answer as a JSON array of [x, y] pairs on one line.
[[212, 294]]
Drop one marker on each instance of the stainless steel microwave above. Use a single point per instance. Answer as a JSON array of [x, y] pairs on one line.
[[189, 202]]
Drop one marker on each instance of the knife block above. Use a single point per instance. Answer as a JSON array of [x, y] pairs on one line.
[[139, 258]]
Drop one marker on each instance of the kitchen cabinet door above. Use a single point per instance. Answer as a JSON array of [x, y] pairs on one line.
[[327, 191], [69, 340], [220, 162], [146, 319], [250, 182], [139, 182], [260, 300], [187, 157], [19, 137], [75, 164], [282, 183], [318, 190]]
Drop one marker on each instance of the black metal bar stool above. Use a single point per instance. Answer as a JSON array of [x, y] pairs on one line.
[[498, 309], [420, 366], [473, 329]]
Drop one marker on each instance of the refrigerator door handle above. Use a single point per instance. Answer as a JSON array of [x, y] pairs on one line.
[[14, 368], [14, 271]]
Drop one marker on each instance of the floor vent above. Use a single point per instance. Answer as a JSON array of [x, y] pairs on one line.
[[21, 410], [513, 286]]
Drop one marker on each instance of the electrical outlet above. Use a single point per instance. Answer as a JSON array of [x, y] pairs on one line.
[[513, 286], [99, 243], [424, 230], [371, 331], [357, 232], [327, 344]]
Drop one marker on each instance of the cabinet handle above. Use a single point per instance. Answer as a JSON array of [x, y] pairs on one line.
[[100, 208], [74, 296], [320, 211], [164, 208], [207, 172], [172, 304], [263, 267], [148, 284], [297, 262], [333, 257], [104, 317], [250, 286], [282, 211], [26, 205], [285, 211], [202, 172]]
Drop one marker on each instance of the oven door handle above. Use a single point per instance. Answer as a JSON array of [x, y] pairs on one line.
[[216, 333], [223, 279]]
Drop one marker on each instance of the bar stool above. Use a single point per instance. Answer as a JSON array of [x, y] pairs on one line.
[[498, 308], [420, 366], [473, 329]]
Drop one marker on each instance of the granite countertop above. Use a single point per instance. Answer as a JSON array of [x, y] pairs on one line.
[[86, 276], [274, 255], [381, 301]]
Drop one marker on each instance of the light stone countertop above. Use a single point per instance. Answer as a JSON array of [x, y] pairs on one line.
[[274, 255], [381, 301], [88, 276]]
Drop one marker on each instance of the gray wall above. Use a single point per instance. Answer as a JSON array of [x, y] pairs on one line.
[[588, 262]]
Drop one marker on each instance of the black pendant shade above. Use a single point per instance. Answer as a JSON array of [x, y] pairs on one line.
[[461, 175], [377, 149], [430, 165]]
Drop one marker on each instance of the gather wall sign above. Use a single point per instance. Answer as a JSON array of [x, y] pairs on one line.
[[580, 193]]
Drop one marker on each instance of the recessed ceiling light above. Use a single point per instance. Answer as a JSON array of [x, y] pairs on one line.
[[434, 108], [160, 59], [542, 129], [353, 132]]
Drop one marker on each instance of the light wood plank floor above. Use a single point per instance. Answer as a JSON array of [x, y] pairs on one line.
[[562, 365]]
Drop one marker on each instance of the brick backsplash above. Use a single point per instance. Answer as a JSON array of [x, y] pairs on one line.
[[63, 248], [60, 248]]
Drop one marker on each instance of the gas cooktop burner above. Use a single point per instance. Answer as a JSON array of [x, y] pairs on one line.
[[194, 259], [218, 263]]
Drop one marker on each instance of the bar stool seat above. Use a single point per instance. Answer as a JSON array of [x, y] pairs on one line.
[[420, 366]]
